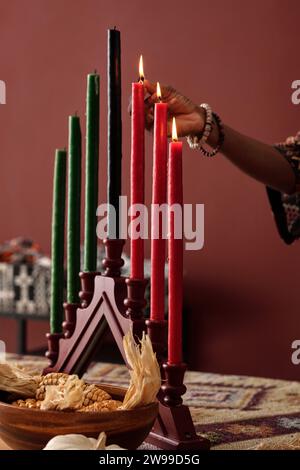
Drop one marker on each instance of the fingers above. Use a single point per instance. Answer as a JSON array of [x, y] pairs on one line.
[[167, 91], [178, 106], [150, 86], [151, 92]]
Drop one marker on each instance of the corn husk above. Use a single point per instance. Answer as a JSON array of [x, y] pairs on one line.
[[145, 379], [65, 396], [15, 380]]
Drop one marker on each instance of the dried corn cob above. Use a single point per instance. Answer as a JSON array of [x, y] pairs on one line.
[[54, 378], [28, 403], [102, 406], [92, 393]]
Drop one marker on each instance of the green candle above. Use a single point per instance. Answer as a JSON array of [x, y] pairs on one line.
[[57, 243], [74, 196], [91, 173]]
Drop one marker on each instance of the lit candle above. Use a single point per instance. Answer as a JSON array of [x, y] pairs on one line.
[[159, 190], [137, 169], [114, 148], [175, 251], [91, 172], [74, 196], [57, 242]]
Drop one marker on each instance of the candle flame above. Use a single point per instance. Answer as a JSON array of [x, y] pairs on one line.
[[141, 69], [174, 131], [158, 91]]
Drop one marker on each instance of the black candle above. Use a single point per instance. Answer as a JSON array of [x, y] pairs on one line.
[[114, 166]]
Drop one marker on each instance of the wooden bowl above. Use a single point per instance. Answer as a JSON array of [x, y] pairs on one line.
[[26, 428]]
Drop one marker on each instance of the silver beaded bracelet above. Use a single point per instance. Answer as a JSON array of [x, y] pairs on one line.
[[194, 141]]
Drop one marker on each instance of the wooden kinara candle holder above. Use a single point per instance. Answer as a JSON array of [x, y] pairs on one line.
[[120, 302]]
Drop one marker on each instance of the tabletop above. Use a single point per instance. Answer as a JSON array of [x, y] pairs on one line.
[[234, 412]]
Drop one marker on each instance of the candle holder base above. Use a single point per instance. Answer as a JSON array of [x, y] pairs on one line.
[[174, 430], [173, 387]]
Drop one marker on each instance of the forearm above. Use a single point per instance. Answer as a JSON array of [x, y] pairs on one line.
[[261, 161]]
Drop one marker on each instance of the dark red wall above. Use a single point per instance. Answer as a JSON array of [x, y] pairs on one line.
[[241, 57]]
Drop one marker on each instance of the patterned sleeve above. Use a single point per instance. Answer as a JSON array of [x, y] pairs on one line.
[[286, 207]]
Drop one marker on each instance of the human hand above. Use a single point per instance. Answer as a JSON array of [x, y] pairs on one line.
[[190, 119]]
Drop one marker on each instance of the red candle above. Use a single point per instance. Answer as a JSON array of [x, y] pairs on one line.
[[175, 251], [137, 170], [159, 192]]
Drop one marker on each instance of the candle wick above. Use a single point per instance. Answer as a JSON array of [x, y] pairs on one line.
[[115, 27], [141, 79]]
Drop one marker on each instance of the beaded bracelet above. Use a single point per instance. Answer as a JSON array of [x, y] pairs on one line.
[[221, 138], [194, 141]]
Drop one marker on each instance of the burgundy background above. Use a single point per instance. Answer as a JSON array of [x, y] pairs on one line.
[[241, 57]]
